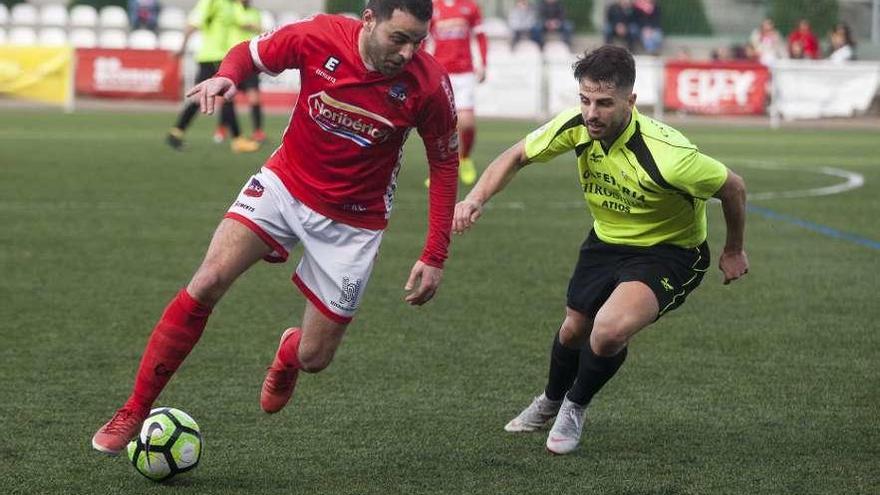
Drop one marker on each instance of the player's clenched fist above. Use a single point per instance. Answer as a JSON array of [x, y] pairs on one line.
[[466, 213], [207, 91]]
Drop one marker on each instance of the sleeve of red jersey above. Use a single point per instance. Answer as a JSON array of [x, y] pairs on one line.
[[482, 39], [437, 126]]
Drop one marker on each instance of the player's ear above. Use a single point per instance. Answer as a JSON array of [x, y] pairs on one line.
[[369, 19], [632, 99]]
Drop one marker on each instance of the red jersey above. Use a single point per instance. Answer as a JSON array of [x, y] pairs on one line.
[[343, 147], [454, 24]]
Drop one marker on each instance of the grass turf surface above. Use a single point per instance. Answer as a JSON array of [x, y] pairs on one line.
[[770, 385]]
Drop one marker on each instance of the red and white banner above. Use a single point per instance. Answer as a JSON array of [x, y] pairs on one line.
[[140, 74], [731, 88]]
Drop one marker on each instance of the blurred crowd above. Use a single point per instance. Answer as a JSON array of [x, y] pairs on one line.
[[767, 45]]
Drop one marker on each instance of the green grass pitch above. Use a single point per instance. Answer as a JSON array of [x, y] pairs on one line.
[[768, 386]]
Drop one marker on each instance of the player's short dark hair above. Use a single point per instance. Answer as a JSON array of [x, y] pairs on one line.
[[383, 9], [607, 64]]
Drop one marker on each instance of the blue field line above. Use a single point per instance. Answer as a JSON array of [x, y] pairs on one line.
[[815, 227]]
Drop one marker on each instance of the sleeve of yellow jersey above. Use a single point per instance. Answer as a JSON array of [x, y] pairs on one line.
[[199, 15], [699, 175], [555, 137]]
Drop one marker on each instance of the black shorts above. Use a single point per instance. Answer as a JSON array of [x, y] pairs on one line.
[[207, 71], [252, 82], [671, 272]]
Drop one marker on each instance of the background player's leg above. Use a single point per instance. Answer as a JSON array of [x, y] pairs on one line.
[[467, 135], [233, 249], [253, 96], [310, 349]]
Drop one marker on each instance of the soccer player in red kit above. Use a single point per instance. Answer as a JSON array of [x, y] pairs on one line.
[[455, 24], [329, 186]]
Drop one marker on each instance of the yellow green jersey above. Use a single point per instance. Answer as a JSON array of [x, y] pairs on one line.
[[650, 188], [244, 16], [214, 19]]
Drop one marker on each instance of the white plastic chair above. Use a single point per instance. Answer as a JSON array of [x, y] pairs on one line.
[[113, 16], [142, 39], [53, 14], [557, 50], [170, 40], [83, 16], [4, 14], [288, 17], [171, 18], [52, 36], [83, 38], [24, 14], [268, 20], [495, 27], [22, 36], [112, 38], [194, 43]]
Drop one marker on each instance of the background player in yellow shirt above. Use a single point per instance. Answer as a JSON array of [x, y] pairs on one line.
[[246, 25], [214, 19], [646, 187]]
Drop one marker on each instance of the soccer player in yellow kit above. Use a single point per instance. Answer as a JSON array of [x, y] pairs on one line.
[[247, 24], [646, 187], [214, 19]]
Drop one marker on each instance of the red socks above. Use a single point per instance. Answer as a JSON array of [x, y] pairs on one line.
[[172, 339], [468, 136], [288, 351]]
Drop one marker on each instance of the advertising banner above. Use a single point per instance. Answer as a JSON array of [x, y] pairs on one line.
[[119, 73], [812, 89], [36, 73], [720, 88]]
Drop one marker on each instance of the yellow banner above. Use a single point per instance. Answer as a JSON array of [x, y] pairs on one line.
[[37, 73]]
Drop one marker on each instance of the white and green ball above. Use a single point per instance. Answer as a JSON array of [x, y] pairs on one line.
[[169, 444]]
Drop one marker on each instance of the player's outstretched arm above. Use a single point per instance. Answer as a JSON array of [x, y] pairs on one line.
[[496, 176], [206, 92], [733, 261], [423, 282]]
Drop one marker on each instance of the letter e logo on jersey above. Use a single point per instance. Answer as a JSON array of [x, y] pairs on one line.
[[331, 64], [254, 189], [363, 127]]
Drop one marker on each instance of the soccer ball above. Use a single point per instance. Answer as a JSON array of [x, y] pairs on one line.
[[168, 444]]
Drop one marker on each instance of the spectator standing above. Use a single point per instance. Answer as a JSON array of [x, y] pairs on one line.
[[521, 20], [802, 43], [620, 25], [767, 43], [842, 47], [647, 16], [143, 14], [552, 19]]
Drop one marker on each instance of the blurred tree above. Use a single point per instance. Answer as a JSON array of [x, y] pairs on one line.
[[100, 3], [580, 12], [338, 6], [684, 17], [822, 14]]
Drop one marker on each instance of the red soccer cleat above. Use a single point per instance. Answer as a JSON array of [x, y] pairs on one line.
[[115, 434], [280, 380], [259, 136]]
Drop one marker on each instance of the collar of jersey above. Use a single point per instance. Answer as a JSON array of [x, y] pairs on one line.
[[627, 133]]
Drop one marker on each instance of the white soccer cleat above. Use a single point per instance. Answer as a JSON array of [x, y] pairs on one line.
[[566, 433], [534, 417]]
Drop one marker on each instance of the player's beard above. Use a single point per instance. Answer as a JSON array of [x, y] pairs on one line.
[[387, 64]]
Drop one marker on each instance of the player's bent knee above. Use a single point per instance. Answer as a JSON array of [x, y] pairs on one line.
[[608, 340], [208, 285]]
